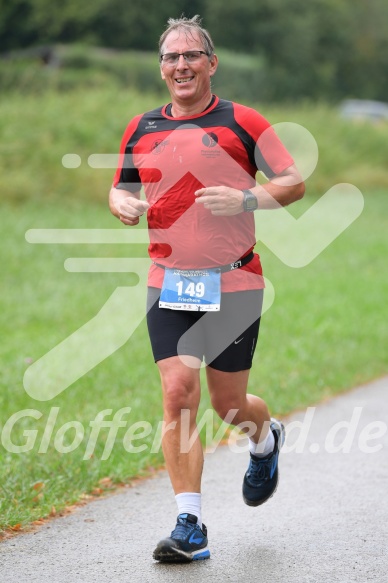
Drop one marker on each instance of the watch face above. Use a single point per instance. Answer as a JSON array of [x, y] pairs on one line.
[[250, 202]]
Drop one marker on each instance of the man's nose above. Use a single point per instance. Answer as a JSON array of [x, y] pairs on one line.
[[181, 61]]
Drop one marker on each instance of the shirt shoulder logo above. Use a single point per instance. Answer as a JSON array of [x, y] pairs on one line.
[[151, 125]]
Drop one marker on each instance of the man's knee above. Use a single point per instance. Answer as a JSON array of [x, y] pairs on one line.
[[227, 409], [228, 393], [181, 391], [177, 397]]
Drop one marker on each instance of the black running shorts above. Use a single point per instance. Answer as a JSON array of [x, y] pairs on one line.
[[226, 340]]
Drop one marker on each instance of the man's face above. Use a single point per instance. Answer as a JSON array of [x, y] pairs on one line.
[[187, 82]]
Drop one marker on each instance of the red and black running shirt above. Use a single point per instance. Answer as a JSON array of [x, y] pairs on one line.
[[172, 158]]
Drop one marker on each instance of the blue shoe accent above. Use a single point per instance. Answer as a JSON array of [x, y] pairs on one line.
[[261, 478], [195, 538], [188, 542]]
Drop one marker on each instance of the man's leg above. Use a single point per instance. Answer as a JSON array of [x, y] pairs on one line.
[[228, 391], [181, 396], [184, 459]]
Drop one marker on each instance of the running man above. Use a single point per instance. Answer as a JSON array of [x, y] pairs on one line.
[[197, 158]]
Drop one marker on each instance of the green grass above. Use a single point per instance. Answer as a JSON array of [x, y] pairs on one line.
[[324, 334]]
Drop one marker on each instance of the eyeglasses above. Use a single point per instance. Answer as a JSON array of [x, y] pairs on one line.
[[189, 56]]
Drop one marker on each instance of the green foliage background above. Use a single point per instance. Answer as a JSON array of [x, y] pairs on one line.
[[320, 49], [325, 333], [71, 76]]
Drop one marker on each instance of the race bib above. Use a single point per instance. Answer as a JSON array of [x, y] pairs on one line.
[[191, 289]]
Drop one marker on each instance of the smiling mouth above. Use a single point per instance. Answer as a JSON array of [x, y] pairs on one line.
[[184, 80]]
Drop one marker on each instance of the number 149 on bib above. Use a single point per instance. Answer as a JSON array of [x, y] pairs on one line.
[[191, 290]]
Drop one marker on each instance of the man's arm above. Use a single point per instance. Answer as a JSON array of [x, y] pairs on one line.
[[283, 189], [127, 206]]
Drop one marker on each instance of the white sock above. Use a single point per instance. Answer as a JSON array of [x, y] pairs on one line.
[[190, 502], [264, 447]]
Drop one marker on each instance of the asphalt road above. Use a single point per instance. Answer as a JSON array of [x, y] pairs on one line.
[[327, 522]]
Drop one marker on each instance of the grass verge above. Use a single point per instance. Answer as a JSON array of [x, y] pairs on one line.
[[324, 334]]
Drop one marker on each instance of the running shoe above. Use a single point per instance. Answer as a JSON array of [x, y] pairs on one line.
[[261, 478], [188, 542]]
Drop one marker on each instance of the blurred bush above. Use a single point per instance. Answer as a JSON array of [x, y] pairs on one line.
[[66, 67]]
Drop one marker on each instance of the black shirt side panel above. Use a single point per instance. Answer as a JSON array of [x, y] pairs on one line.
[[254, 155], [152, 121]]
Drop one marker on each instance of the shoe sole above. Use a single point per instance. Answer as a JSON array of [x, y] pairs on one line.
[[176, 556], [260, 502]]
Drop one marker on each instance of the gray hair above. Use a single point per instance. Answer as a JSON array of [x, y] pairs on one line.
[[188, 26]]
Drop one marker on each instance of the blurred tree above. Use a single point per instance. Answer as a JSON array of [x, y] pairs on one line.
[[364, 70], [301, 42], [238, 24], [139, 23], [114, 23], [316, 49], [132, 24], [31, 22]]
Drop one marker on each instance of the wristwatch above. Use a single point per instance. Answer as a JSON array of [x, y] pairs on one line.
[[250, 202]]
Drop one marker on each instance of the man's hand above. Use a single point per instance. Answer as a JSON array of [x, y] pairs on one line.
[[126, 206], [221, 200], [283, 189], [131, 209]]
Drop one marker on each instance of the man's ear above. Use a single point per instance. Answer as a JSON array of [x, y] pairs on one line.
[[213, 65], [162, 74]]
